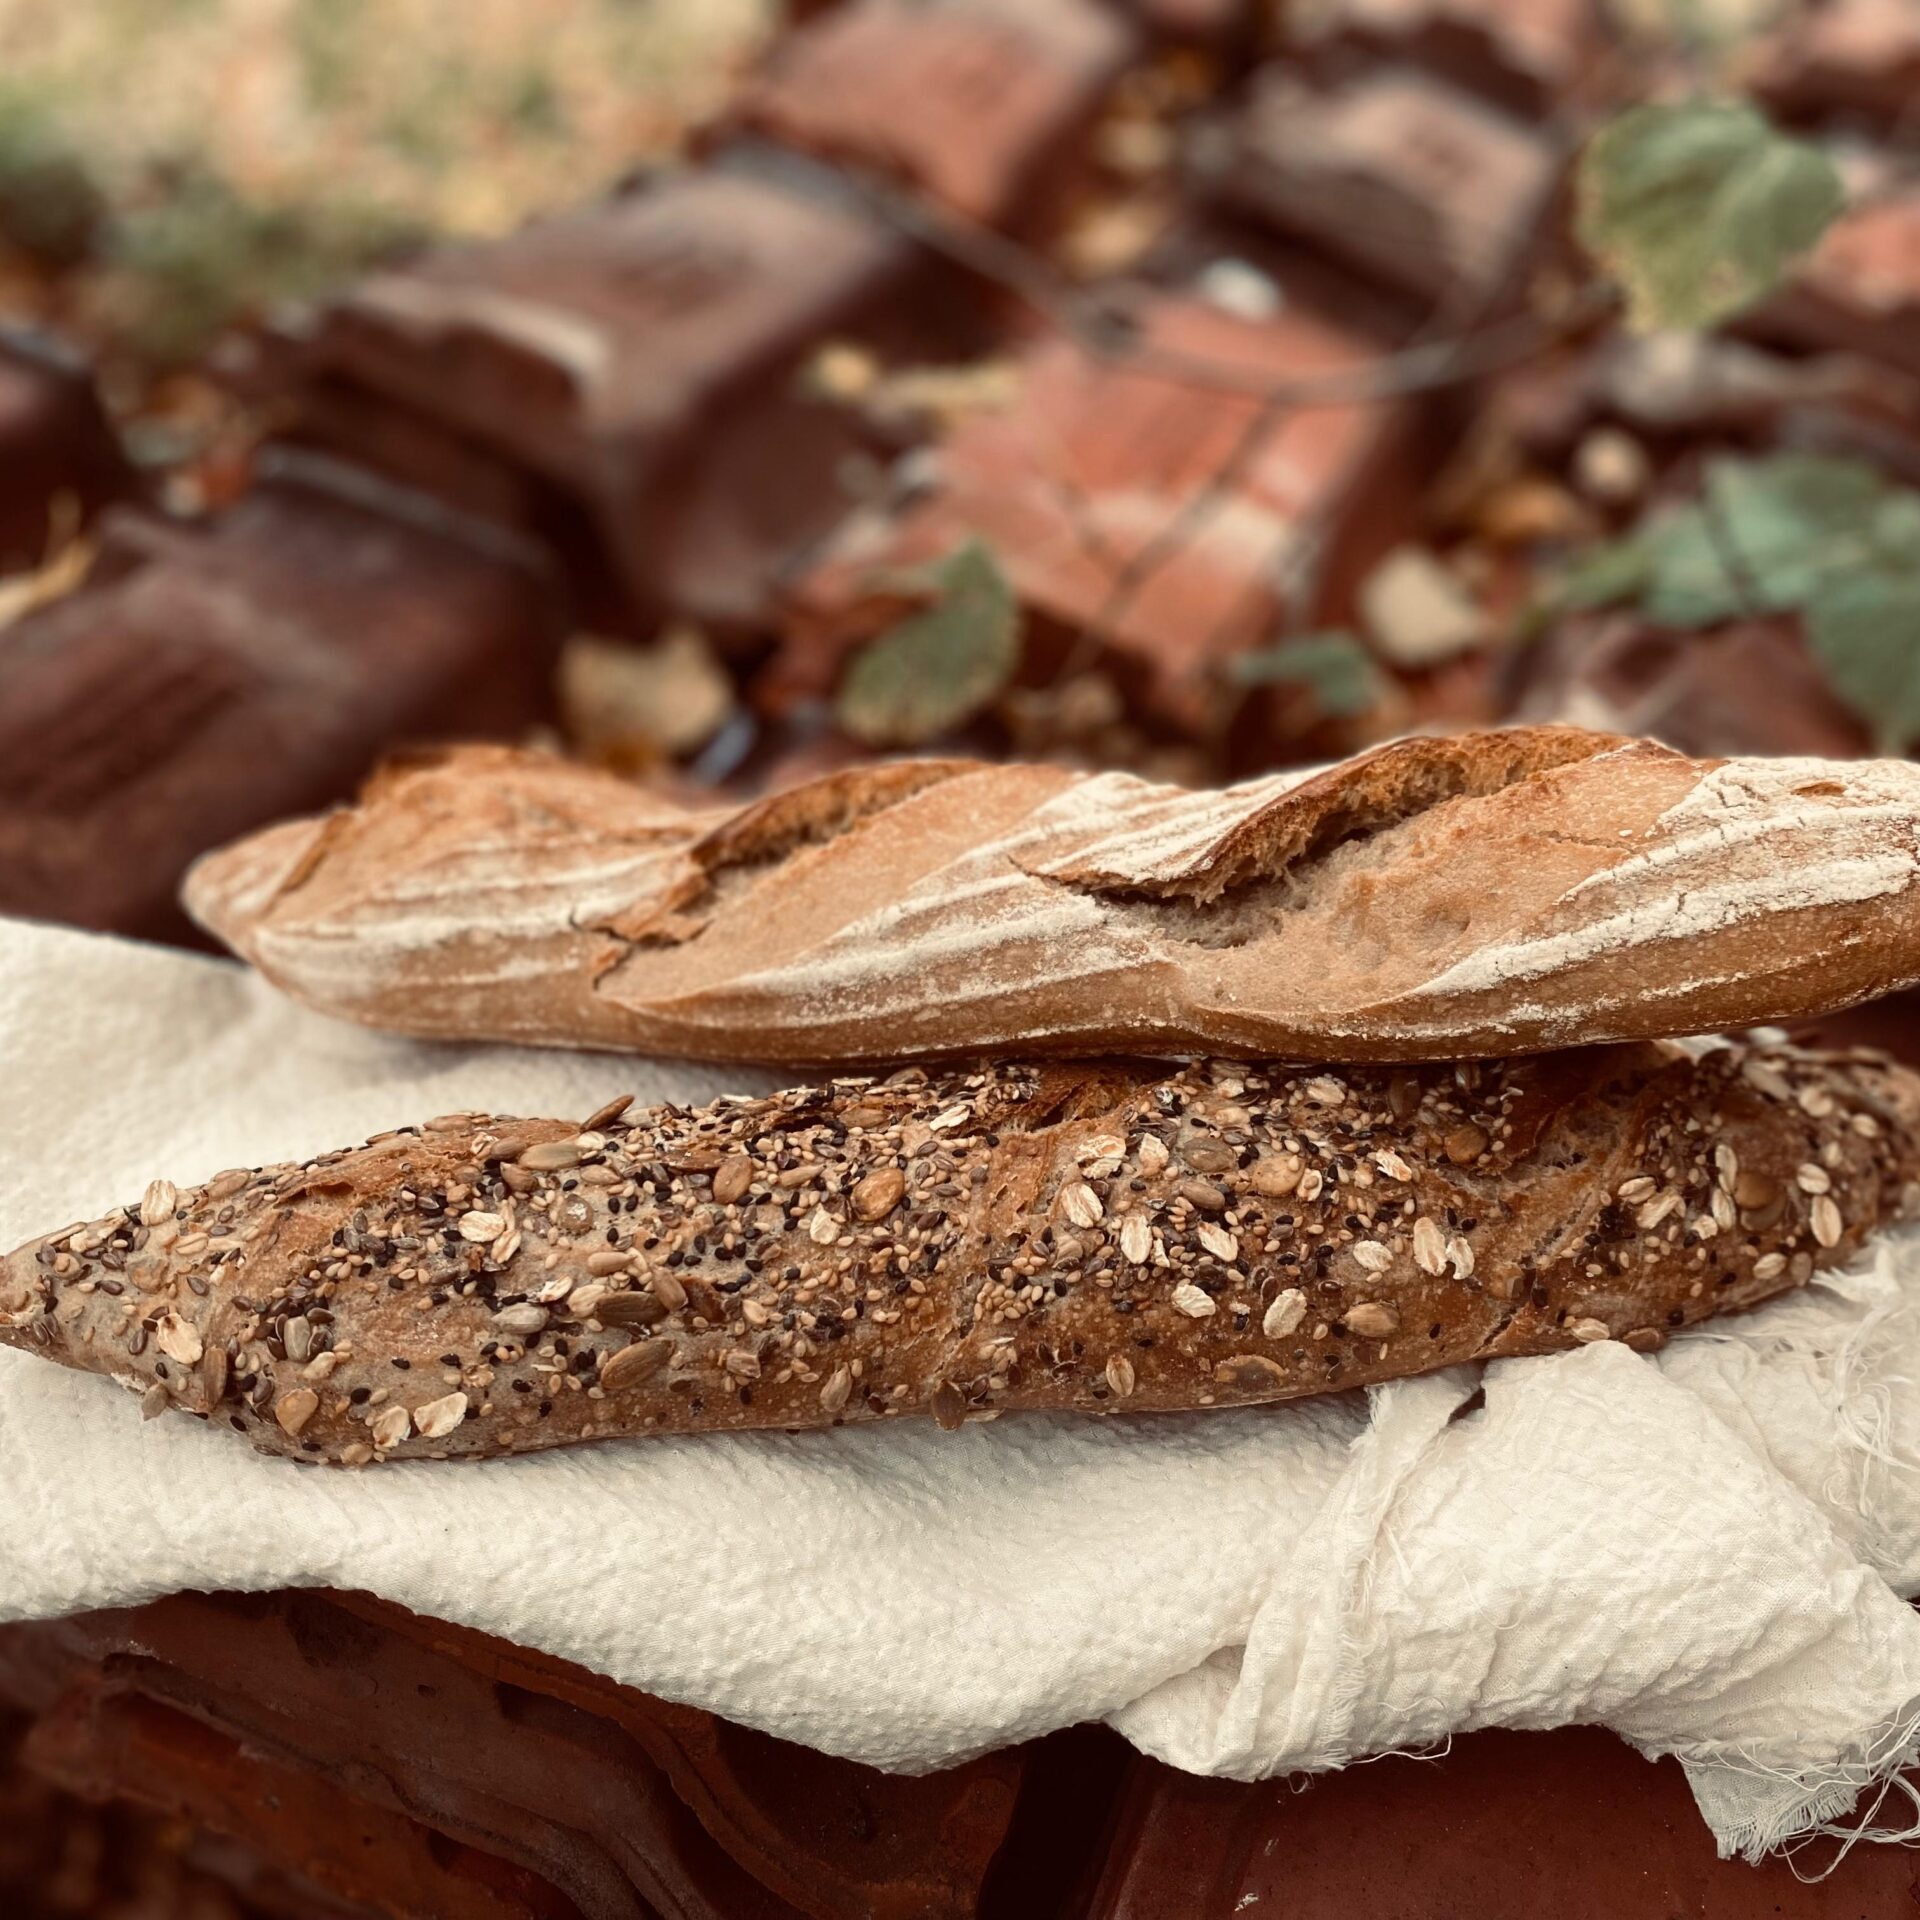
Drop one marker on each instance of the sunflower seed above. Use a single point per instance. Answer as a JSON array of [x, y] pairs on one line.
[[551, 1156], [522, 1321], [1275, 1175], [732, 1178], [629, 1309], [1250, 1372], [836, 1389], [605, 1116], [878, 1194], [1372, 1319], [630, 1365], [1206, 1155]]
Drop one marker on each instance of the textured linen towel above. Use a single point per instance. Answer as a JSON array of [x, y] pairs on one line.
[[1704, 1549]]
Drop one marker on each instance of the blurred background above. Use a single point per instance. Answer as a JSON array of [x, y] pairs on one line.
[[722, 392]]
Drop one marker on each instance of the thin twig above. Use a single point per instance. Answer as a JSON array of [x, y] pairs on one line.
[[1179, 529], [1103, 330], [1726, 549]]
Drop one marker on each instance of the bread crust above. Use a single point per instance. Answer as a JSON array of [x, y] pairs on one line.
[[1096, 1237], [1476, 896]]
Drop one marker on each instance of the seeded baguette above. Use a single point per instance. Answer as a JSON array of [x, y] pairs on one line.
[[1476, 896], [1093, 1237]]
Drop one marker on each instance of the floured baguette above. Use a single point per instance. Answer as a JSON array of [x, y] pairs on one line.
[[1484, 895], [1093, 1237]]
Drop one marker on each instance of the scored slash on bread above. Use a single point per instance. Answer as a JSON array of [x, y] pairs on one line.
[[1482, 895], [1092, 1236]]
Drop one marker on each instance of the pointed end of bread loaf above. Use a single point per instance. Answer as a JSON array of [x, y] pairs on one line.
[[19, 1286], [231, 890]]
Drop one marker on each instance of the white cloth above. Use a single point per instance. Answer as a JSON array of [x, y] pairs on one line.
[[1701, 1550]]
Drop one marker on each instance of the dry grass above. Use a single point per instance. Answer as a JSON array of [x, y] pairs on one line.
[[247, 150]]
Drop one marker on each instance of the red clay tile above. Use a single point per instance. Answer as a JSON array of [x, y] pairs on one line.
[[983, 104]]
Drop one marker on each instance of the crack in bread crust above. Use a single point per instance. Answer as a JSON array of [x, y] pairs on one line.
[[1480, 896]]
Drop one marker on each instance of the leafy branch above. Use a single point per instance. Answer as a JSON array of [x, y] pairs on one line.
[[1831, 541]]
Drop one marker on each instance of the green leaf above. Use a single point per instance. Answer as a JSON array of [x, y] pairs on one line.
[[206, 254], [1334, 667], [940, 667], [1831, 540], [1765, 536], [1614, 571], [50, 202], [1865, 630], [1697, 209]]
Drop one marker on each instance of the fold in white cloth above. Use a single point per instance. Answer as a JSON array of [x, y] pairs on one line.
[[1704, 1549]]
